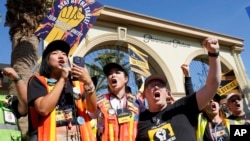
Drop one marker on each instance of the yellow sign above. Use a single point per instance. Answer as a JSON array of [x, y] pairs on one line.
[[138, 61], [228, 87]]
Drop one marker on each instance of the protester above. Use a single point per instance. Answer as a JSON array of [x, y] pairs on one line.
[[143, 102], [57, 104], [118, 110], [12, 107], [212, 125], [235, 105], [176, 121]]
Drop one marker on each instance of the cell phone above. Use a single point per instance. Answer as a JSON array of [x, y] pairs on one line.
[[79, 61]]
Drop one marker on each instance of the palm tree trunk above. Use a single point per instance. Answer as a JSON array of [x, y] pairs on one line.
[[23, 58], [23, 17]]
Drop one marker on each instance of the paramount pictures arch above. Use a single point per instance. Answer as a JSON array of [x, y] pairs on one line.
[[167, 45]]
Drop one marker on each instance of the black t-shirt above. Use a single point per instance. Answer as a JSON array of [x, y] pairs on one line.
[[65, 104], [14, 107], [245, 118], [175, 123]]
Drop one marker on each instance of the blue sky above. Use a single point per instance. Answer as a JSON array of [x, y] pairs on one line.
[[227, 17]]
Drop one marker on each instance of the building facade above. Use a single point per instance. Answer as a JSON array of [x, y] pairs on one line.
[[167, 45]]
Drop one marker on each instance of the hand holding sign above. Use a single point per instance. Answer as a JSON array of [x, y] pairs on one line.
[[69, 17]]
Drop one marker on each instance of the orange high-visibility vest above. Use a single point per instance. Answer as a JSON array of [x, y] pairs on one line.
[[46, 125], [113, 131]]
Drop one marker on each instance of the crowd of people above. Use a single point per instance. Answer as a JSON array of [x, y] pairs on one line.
[[61, 104]]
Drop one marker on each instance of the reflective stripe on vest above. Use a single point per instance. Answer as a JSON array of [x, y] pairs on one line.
[[202, 122], [47, 125], [111, 128], [113, 131], [85, 129], [8, 126], [47, 128]]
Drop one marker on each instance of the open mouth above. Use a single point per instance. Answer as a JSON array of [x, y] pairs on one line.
[[157, 95], [61, 62], [237, 105], [113, 82], [213, 106]]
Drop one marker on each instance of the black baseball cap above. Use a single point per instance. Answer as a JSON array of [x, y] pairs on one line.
[[155, 77], [109, 66], [217, 98], [56, 45]]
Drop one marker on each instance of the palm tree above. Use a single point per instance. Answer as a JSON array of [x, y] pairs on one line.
[[22, 18]]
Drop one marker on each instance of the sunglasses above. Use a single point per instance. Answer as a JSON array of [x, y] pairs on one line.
[[236, 98], [154, 84]]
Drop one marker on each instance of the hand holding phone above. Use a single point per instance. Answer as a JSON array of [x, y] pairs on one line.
[[79, 61]]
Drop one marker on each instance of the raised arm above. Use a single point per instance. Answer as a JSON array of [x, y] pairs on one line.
[[207, 92], [21, 88], [188, 81], [83, 75]]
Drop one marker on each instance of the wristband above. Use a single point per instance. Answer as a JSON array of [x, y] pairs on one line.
[[17, 79], [89, 88], [91, 91], [216, 54]]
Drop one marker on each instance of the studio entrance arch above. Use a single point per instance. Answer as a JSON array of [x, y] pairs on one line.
[[106, 49], [164, 41]]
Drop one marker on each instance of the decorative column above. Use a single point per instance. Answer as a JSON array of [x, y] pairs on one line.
[[242, 72]]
